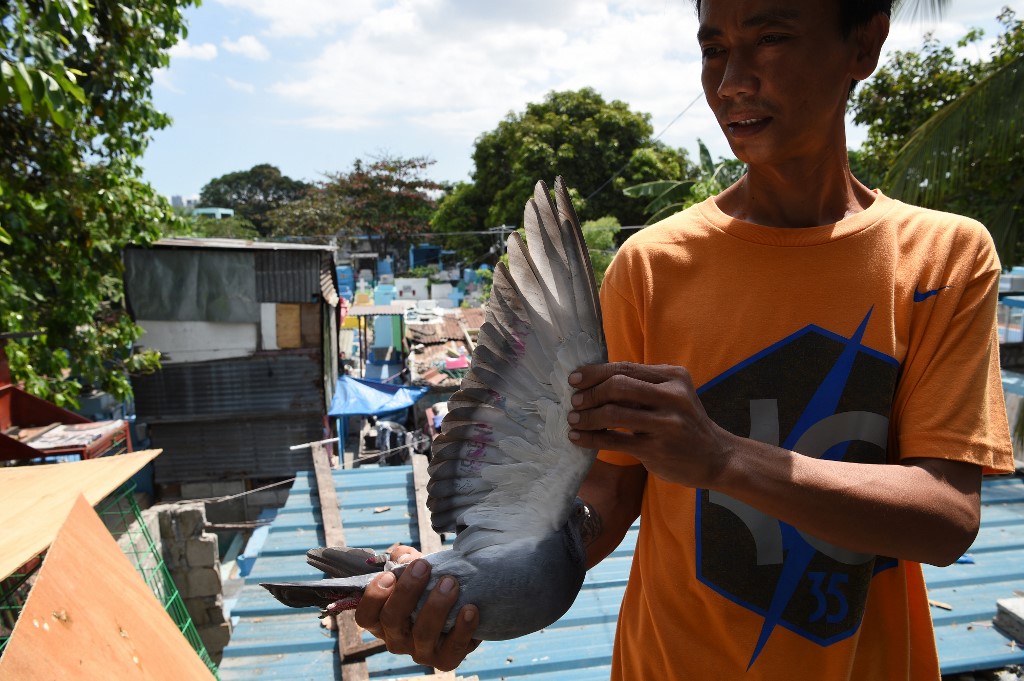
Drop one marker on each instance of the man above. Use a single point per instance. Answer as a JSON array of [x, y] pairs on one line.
[[803, 397]]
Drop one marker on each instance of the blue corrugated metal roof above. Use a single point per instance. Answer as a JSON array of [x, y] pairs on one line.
[[966, 639], [274, 642]]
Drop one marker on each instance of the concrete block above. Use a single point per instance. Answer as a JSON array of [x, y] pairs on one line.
[[224, 489], [202, 552], [197, 609], [215, 636], [231, 511], [180, 578], [203, 582], [195, 490], [215, 614], [266, 497], [1010, 617], [190, 520], [166, 521]]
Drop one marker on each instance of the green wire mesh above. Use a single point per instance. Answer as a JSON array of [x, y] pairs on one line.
[[123, 517], [13, 594]]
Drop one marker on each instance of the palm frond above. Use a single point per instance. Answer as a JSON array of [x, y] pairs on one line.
[[920, 9], [666, 211], [1005, 225], [707, 166], [985, 120], [655, 188], [667, 194]]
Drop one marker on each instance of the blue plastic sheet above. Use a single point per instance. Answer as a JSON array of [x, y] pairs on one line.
[[356, 397]]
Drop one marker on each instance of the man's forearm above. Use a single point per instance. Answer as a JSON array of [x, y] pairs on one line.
[[924, 510]]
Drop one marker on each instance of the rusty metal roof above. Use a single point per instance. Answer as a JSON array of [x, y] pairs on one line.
[[245, 244]]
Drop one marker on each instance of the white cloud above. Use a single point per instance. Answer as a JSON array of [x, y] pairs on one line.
[[248, 88], [247, 46], [306, 18], [186, 50], [457, 67], [435, 74], [163, 79]]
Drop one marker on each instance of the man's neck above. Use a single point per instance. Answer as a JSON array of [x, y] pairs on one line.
[[796, 194]]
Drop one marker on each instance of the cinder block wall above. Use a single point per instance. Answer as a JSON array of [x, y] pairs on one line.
[[192, 558]]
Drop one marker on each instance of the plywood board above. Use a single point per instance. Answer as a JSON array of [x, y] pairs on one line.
[[36, 500], [90, 616], [289, 326]]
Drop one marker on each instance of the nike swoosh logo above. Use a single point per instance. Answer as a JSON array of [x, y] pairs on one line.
[[919, 295]]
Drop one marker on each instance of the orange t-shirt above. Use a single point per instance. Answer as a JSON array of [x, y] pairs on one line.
[[869, 340]]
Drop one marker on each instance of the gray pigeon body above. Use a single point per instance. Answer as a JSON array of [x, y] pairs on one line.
[[503, 473]]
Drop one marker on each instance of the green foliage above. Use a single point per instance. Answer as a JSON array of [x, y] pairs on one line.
[[206, 226], [387, 200], [429, 272], [422, 272], [75, 116], [253, 193], [946, 133], [667, 197], [600, 237], [458, 212], [487, 281], [599, 147], [904, 93]]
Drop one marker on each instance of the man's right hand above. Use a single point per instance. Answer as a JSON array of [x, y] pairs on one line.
[[386, 608]]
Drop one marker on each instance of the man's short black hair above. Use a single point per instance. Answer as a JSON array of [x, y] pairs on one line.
[[853, 13]]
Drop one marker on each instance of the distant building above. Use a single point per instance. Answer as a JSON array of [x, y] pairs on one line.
[[177, 202], [215, 213]]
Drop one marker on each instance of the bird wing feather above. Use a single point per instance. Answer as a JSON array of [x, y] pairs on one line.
[[503, 467]]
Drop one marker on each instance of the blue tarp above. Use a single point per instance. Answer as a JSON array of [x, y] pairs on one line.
[[356, 397]]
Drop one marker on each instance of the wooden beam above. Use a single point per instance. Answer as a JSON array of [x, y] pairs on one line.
[[349, 635], [330, 509], [430, 541]]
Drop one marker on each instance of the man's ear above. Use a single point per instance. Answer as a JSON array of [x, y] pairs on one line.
[[870, 37]]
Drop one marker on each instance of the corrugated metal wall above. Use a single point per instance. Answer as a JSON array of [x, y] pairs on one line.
[[232, 450], [288, 276], [232, 418]]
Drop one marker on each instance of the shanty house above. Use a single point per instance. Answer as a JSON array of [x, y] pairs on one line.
[[248, 334]]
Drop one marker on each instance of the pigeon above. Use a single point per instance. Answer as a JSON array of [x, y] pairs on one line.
[[504, 476]]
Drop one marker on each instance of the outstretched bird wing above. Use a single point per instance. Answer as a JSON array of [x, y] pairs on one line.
[[503, 467]]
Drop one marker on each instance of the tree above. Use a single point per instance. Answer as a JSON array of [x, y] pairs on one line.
[[667, 197], [253, 193], [457, 218], [600, 238], [964, 148], [205, 226], [387, 201], [904, 93], [75, 117], [599, 147]]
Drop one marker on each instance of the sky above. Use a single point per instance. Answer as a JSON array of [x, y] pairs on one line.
[[311, 85]]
